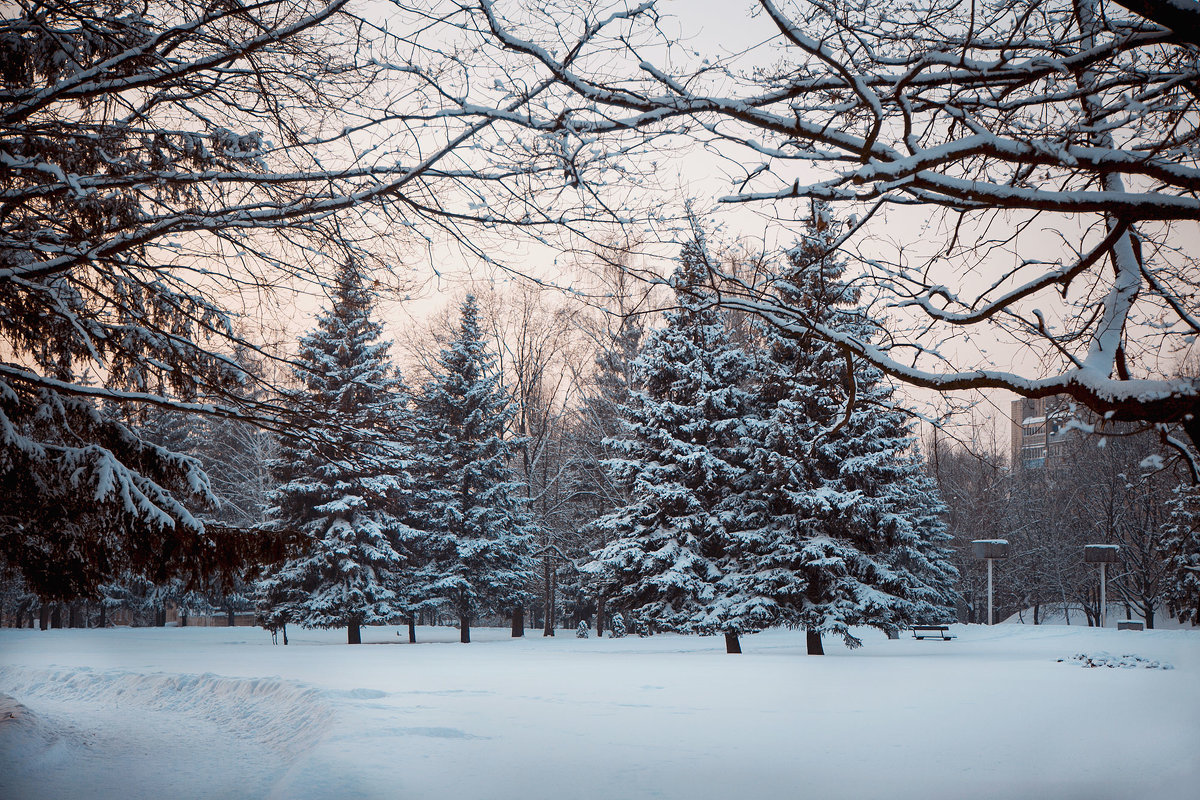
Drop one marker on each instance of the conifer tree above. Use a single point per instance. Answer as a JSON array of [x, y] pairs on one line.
[[1181, 543], [841, 527], [343, 484], [477, 532], [667, 557]]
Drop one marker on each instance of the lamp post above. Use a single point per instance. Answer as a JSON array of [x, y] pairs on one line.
[[1102, 554], [991, 549]]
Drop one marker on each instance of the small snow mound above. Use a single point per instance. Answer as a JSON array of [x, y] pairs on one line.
[[10, 710], [1126, 661], [23, 734]]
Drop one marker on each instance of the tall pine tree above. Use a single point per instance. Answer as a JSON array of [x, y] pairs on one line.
[[343, 485], [841, 527], [477, 532], [1181, 546], [667, 557]]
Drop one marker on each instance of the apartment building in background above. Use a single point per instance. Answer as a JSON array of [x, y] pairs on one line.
[[1040, 434]]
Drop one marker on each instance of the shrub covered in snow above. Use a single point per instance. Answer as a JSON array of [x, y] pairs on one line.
[[1127, 661]]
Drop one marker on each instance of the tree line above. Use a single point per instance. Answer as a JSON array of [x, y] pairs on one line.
[[162, 162], [749, 480], [713, 475]]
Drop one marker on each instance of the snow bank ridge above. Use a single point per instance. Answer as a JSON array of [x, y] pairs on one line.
[[275, 713]]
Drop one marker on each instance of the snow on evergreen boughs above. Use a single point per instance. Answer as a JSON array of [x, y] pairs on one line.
[[840, 526], [666, 560], [477, 532], [582, 630], [617, 626], [344, 485], [1181, 543], [88, 498]]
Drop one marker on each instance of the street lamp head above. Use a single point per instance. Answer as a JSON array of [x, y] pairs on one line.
[[990, 548], [1101, 553]]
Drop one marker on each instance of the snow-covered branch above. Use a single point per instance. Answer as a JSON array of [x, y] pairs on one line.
[[1055, 136]]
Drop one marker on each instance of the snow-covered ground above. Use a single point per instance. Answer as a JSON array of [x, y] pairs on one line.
[[221, 713]]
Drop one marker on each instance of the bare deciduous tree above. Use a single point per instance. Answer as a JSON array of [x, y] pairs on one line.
[[1040, 159]]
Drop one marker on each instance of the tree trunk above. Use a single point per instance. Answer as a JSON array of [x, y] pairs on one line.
[[732, 645], [44, 617], [1149, 618], [412, 629], [518, 622], [103, 615], [75, 616], [549, 585], [464, 630], [56, 616], [283, 628], [813, 639], [232, 622], [160, 617], [353, 633], [600, 617]]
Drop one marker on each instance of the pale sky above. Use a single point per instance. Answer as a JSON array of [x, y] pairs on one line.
[[711, 28]]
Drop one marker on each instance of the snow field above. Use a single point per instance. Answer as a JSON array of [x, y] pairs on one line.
[[218, 712]]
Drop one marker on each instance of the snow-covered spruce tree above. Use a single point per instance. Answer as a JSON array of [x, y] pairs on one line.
[[618, 626], [477, 532], [839, 524], [667, 557], [343, 485], [1181, 542]]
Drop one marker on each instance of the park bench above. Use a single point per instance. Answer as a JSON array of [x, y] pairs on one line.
[[930, 631]]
